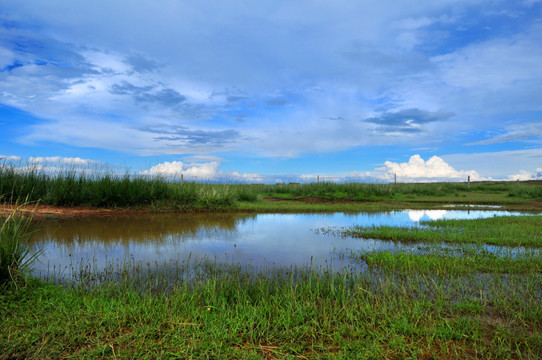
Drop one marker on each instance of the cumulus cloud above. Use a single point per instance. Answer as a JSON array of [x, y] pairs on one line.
[[198, 171], [178, 168], [417, 170], [527, 175]]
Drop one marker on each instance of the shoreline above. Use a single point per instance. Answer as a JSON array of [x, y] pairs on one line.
[[266, 205]]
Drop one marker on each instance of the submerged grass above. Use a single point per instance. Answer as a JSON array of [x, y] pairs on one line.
[[228, 313], [506, 231], [437, 263]]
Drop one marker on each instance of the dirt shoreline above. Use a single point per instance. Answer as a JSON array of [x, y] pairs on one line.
[[65, 212], [43, 211]]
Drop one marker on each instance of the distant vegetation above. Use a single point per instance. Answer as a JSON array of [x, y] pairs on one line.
[[71, 188]]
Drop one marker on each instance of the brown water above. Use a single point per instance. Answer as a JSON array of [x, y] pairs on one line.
[[259, 240]]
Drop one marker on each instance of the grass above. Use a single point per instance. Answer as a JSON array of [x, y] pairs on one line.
[[505, 231], [228, 313], [105, 189], [438, 263], [15, 256]]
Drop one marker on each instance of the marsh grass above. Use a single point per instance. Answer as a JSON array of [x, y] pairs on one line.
[[434, 262], [98, 189], [103, 188], [454, 303], [505, 231], [225, 311], [16, 257]]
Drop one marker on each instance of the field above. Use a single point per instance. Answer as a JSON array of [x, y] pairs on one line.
[[465, 292]]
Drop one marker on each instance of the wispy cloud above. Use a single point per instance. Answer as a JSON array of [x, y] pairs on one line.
[[520, 132]]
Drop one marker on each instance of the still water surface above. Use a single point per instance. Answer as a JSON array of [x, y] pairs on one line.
[[257, 239]]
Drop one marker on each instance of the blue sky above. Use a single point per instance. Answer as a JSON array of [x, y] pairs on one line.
[[267, 91]]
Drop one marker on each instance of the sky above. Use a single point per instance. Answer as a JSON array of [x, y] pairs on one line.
[[274, 91]]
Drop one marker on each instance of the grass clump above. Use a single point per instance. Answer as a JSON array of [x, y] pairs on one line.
[[506, 231], [15, 256], [438, 263]]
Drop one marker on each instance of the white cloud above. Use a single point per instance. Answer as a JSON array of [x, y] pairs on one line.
[[178, 168], [527, 175], [418, 170], [69, 161], [499, 164], [10, 158], [199, 171]]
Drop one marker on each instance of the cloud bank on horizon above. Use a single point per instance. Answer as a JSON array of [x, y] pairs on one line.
[[416, 169], [256, 90]]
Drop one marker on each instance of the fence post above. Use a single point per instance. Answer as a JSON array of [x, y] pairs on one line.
[[468, 181]]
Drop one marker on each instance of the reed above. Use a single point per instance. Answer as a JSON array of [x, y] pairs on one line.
[[102, 188], [15, 256]]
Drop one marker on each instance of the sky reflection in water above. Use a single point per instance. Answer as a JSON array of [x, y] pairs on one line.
[[256, 239]]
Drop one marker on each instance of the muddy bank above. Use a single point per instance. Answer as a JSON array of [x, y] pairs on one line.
[[65, 212]]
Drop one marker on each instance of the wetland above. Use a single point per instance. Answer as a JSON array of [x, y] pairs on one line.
[[148, 268]]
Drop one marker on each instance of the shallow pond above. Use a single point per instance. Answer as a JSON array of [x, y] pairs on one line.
[[261, 240]]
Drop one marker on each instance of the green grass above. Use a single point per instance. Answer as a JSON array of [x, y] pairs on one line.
[[231, 314], [438, 263], [15, 256], [105, 189], [506, 231]]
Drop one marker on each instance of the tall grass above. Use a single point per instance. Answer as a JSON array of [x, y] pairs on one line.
[[15, 255], [71, 188], [105, 189]]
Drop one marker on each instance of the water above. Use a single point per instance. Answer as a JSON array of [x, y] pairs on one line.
[[260, 240]]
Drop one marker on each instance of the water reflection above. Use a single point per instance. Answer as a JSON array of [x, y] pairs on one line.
[[259, 240], [417, 215], [149, 228]]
